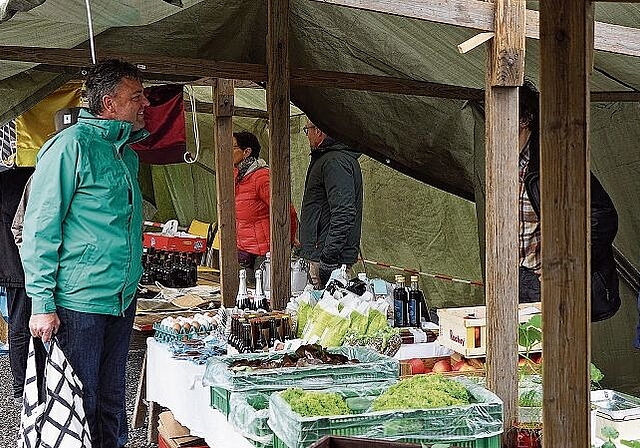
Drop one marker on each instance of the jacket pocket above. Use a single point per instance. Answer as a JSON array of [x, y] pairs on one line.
[[80, 268]]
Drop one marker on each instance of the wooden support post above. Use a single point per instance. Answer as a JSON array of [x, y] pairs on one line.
[[279, 153], [566, 47], [225, 190], [505, 70]]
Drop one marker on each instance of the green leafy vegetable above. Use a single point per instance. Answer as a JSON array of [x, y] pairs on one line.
[[312, 404], [422, 392]]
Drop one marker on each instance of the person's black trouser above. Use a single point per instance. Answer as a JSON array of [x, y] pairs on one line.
[[19, 307], [528, 285]]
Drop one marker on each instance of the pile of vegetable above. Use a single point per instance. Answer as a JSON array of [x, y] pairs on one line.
[[313, 404], [386, 340], [304, 356], [422, 392]]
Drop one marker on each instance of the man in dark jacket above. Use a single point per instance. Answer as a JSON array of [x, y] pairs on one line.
[[331, 214], [12, 184], [605, 297]]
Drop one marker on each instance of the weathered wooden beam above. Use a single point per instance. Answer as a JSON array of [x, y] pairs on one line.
[[612, 97], [207, 108], [505, 71], [154, 66], [479, 15], [279, 154], [373, 83], [507, 68], [566, 31], [225, 190]]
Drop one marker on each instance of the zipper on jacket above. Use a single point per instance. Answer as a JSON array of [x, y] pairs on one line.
[[121, 304]]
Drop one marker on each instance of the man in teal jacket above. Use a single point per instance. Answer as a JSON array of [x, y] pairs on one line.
[[82, 244]]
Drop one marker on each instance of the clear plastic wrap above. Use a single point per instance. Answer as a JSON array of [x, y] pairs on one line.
[[478, 420], [372, 367], [530, 399], [248, 414]]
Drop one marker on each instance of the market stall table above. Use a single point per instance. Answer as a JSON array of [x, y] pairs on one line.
[[177, 385]]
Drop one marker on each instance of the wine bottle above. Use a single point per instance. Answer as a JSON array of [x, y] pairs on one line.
[[400, 302]]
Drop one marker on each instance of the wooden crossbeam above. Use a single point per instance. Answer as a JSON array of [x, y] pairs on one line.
[[207, 108], [155, 66], [73, 61], [479, 15]]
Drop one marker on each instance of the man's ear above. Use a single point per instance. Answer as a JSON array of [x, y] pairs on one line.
[[107, 104]]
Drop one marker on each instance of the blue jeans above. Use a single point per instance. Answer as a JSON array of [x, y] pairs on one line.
[[97, 346]]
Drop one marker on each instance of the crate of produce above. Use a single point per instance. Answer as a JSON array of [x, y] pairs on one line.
[[476, 424], [369, 366], [464, 329]]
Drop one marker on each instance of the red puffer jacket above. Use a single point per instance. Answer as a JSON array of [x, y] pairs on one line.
[[252, 213]]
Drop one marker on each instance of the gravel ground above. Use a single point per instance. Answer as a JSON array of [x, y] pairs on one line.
[[10, 414]]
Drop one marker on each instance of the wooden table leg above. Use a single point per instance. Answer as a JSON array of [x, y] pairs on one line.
[[137, 419], [152, 429]]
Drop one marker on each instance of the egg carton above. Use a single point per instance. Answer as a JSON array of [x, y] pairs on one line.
[[164, 334]]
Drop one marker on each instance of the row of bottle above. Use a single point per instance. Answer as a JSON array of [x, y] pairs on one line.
[[171, 269], [244, 300], [409, 305], [252, 332]]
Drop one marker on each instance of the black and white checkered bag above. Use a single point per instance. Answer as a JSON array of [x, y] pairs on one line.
[[59, 422]]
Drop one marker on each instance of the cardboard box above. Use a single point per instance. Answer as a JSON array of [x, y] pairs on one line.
[[464, 330], [172, 434], [179, 243]]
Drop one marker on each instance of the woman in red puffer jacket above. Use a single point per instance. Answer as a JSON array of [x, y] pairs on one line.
[[252, 203]]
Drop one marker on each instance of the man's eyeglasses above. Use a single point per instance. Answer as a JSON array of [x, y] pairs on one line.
[[306, 129]]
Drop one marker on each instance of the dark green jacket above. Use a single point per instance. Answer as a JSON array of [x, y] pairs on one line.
[[331, 215]]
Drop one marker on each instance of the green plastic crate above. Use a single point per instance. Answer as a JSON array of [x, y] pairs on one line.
[[475, 421], [220, 399], [485, 442], [373, 367]]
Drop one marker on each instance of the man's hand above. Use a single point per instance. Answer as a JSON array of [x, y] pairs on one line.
[[44, 326], [324, 272]]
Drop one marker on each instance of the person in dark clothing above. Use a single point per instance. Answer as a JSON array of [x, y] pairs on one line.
[[605, 297], [331, 214], [12, 183]]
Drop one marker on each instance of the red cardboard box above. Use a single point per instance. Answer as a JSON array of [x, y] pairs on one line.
[[189, 243]]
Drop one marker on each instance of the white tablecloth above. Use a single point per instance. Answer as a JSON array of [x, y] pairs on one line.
[[177, 385]]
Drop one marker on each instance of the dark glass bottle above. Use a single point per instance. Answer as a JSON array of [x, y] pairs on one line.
[[400, 303], [415, 303]]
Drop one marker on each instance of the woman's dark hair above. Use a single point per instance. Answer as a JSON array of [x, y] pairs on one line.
[[246, 140], [103, 79], [530, 114], [530, 106]]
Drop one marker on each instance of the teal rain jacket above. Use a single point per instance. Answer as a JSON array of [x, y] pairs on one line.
[[82, 246]]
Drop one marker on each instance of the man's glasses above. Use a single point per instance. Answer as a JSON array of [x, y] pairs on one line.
[[306, 129]]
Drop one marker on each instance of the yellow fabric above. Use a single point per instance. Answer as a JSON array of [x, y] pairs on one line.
[[36, 126], [216, 241], [199, 228]]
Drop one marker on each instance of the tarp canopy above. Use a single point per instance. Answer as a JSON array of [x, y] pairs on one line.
[[437, 141]]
